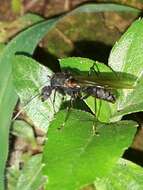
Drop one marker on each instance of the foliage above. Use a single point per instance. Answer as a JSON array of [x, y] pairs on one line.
[[83, 156], [73, 156], [22, 43]]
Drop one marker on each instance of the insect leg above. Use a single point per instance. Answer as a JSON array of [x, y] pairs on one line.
[[84, 97], [93, 70], [73, 97], [46, 92], [67, 114], [95, 132], [95, 111], [54, 98]]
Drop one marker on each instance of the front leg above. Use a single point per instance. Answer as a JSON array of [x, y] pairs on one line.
[[46, 92], [84, 97]]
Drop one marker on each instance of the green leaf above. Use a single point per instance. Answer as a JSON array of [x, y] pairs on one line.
[[77, 63], [2, 46], [30, 18], [23, 43], [7, 102], [125, 175], [93, 7], [74, 156], [82, 66], [127, 56], [29, 178], [29, 78]]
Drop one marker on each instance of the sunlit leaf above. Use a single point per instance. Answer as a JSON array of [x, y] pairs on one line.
[[29, 78], [127, 56], [74, 156]]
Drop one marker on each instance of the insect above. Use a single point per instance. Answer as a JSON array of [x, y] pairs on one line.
[[83, 86], [102, 86]]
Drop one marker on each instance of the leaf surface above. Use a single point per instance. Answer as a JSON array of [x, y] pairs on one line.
[[127, 56], [74, 156]]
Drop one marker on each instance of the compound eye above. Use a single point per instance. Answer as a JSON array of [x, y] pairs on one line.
[[46, 92]]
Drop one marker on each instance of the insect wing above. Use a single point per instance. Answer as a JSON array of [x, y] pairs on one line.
[[107, 80]]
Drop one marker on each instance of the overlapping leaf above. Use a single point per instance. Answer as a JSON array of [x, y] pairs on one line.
[[74, 156], [127, 56], [29, 79]]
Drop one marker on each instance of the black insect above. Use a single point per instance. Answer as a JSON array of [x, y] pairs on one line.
[[102, 86], [84, 86]]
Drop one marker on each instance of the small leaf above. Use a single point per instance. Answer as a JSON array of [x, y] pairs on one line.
[[75, 157]]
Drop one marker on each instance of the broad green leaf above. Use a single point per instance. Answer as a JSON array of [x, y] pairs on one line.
[[29, 78], [125, 175], [127, 56], [29, 178], [74, 156], [22, 43]]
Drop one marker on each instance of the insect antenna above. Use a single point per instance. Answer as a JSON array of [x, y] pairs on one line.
[[24, 107], [27, 103]]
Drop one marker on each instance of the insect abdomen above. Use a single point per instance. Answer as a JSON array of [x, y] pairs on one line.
[[101, 93]]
